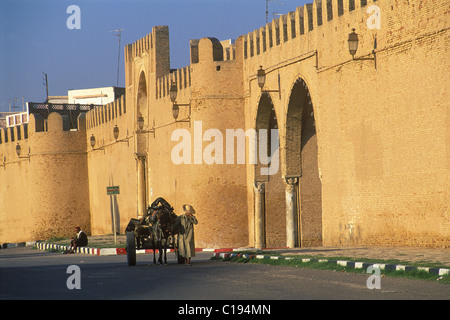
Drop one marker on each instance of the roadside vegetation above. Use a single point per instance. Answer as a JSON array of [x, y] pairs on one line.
[[326, 264]]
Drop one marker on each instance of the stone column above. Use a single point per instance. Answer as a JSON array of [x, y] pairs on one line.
[[259, 214], [141, 188], [291, 211]]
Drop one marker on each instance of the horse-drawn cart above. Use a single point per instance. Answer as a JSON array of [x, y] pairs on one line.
[[154, 231]]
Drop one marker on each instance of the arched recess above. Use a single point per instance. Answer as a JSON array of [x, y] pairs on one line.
[[302, 161], [141, 145], [141, 99], [274, 221]]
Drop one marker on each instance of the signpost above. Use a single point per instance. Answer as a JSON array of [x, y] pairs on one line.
[[110, 191]]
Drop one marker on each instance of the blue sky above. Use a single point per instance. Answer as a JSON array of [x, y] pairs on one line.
[[34, 38]]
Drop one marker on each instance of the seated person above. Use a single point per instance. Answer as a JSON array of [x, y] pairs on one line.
[[81, 240]]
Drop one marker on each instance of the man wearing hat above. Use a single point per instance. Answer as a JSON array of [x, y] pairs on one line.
[[186, 242]]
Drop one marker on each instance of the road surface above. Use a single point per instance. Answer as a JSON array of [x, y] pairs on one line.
[[30, 274]]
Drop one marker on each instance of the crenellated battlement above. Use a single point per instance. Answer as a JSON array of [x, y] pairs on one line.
[[38, 137], [299, 23], [201, 50], [55, 122], [13, 134], [181, 77], [106, 113], [139, 47]]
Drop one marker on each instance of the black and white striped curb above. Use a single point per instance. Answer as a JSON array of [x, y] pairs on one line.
[[112, 251], [51, 246], [17, 245], [348, 264], [85, 250]]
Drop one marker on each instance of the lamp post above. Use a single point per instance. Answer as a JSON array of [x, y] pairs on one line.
[[116, 135], [93, 141], [261, 78], [353, 41], [141, 123], [173, 92]]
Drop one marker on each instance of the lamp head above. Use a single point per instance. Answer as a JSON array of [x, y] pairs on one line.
[[353, 42], [175, 111], [116, 132], [261, 77], [141, 122], [173, 92], [92, 140]]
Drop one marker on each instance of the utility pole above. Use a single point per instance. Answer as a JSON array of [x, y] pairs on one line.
[[119, 35], [13, 107], [45, 84]]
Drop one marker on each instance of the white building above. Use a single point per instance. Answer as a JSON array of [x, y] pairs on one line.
[[97, 96]]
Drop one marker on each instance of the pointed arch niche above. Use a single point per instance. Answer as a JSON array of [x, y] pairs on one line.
[[302, 166]]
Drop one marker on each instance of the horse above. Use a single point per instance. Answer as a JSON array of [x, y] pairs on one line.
[[162, 218]]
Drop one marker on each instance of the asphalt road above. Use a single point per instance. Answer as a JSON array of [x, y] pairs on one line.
[[30, 274]]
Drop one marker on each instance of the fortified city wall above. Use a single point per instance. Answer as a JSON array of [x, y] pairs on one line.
[[363, 144], [382, 132]]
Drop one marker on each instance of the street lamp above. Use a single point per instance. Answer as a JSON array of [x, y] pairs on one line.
[[261, 75], [19, 151], [261, 78], [116, 132], [141, 123], [92, 141], [173, 92], [175, 111], [116, 135], [353, 41]]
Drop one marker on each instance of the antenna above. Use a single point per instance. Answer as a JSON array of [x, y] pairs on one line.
[[119, 35], [45, 83], [267, 8], [12, 108]]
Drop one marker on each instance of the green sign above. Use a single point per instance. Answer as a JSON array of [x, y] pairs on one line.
[[112, 190]]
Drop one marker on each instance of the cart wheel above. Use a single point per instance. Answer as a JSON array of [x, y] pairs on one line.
[[131, 249], [180, 259]]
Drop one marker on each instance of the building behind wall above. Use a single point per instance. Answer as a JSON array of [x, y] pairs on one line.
[[363, 149]]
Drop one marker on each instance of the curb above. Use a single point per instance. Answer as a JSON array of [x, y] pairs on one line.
[[17, 245], [106, 251], [348, 264]]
